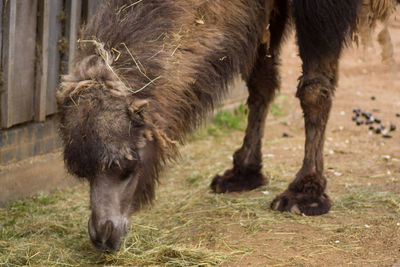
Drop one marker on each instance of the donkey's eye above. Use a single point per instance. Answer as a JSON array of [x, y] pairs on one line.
[[125, 174]]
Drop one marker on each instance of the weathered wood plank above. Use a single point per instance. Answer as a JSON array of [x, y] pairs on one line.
[[19, 62], [1, 43], [7, 64], [42, 65], [1, 60], [48, 69], [54, 57], [74, 19]]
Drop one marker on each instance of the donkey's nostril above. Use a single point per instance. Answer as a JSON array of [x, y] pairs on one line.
[[107, 231]]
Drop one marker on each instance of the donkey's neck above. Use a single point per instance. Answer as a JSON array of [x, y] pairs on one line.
[[200, 58]]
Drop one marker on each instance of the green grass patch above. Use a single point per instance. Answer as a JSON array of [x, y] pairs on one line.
[[222, 123], [231, 119], [226, 121], [277, 108]]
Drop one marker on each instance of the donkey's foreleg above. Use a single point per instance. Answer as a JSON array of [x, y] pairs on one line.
[[262, 84], [322, 28], [306, 194], [247, 161]]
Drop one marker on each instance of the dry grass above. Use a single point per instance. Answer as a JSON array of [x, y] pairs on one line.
[[190, 226]]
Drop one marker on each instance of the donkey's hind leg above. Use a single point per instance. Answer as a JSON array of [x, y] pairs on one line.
[[306, 194], [322, 28]]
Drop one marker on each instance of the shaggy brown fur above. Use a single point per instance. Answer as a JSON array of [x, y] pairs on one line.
[[178, 51], [148, 72]]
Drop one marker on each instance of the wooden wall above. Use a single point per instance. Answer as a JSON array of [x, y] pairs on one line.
[[37, 45]]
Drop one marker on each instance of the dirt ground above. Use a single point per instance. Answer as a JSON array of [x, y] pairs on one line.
[[355, 159], [190, 226]]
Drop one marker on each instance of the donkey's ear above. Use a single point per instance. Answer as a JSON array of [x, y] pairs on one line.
[[136, 109], [137, 106]]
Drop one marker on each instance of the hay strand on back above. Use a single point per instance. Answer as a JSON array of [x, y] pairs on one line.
[[109, 60]]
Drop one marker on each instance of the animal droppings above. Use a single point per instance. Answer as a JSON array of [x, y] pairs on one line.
[[373, 97], [370, 120], [367, 115]]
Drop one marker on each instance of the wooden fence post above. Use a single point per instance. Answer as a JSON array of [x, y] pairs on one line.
[[18, 62], [48, 70], [74, 18]]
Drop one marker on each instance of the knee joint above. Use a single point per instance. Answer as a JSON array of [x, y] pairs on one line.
[[314, 93]]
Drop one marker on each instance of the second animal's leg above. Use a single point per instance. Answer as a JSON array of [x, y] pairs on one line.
[[385, 41], [306, 194]]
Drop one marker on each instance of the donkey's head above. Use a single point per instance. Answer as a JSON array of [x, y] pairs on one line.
[[108, 141]]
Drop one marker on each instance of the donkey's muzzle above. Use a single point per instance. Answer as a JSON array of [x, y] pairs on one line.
[[107, 236]]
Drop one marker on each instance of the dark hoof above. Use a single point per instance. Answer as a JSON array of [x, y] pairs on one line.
[[301, 203], [233, 181]]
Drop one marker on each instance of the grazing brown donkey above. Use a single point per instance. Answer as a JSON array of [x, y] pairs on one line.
[[148, 72]]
